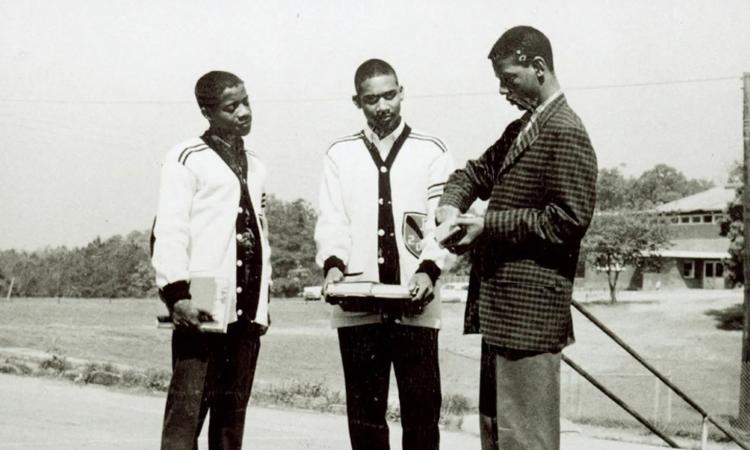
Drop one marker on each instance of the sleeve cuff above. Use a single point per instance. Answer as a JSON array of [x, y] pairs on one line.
[[429, 267], [174, 292], [332, 262]]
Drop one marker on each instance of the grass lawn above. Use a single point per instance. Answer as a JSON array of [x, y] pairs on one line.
[[671, 330]]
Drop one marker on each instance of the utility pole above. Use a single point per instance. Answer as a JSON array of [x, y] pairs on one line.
[[743, 419]]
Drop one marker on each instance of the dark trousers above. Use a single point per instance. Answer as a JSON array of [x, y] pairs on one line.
[[210, 371], [519, 399], [367, 353]]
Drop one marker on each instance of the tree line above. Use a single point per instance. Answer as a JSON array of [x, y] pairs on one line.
[[120, 265]]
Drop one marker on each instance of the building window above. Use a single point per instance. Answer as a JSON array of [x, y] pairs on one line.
[[688, 269], [696, 219], [684, 219], [708, 218], [713, 269], [675, 219]]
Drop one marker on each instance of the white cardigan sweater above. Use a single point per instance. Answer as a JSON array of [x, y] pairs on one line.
[[347, 226], [194, 231]]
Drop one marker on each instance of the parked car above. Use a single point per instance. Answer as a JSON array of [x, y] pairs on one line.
[[454, 292], [310, 293]]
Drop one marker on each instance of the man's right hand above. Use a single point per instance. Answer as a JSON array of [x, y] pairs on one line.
[[185, 315], [446, 213], [334, 275]]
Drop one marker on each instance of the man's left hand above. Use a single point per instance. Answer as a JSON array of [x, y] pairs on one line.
[[474, 226], [422, 291]]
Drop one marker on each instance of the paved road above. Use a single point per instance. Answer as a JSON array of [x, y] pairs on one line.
[[44, 414]]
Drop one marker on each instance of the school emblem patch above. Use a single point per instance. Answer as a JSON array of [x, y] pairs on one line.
[[412, 230]]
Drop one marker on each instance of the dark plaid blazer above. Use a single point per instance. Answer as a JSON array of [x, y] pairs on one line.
[[541, 186]]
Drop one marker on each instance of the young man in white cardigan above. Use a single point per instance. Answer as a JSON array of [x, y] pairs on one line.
[[210, 223], [378, 197]]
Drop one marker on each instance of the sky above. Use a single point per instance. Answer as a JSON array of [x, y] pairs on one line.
[[93, 94]]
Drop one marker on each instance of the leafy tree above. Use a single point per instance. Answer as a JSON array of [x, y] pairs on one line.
[[612, 189], [617, 240], [733, 228], [662, 184], [736, 173], [121, 267], [659, 185], [291, 235]]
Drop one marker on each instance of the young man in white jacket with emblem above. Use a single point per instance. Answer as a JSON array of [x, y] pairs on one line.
[[210, 224], [378, 197]]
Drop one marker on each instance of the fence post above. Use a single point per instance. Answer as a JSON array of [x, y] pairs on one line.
[[704, 433], [578, 398], [669, 400], [656, 399], [10, 288]]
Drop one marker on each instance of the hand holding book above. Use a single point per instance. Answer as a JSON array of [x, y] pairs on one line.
[[458, 233]]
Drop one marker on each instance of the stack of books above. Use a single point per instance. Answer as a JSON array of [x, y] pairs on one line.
[[366, 296]]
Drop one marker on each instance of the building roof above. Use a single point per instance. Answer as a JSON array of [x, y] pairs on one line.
[[714, 199], [695, 249], [688, 254]]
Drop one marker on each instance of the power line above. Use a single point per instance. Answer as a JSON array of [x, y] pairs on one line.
[[652, 83], [345, 98]]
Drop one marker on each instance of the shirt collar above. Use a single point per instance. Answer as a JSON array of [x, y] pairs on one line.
[[233, 144], [546, 103], [390, 139]]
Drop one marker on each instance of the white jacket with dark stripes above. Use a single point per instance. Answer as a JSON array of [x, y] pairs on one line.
[[347, 226], [194, 232]]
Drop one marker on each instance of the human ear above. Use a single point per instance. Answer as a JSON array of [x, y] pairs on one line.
[[207, 114], [539, 65], [355, 100]]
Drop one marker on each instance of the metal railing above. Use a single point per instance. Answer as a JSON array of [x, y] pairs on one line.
[[706, 417]]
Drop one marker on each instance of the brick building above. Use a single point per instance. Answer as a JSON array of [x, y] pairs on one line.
[[694, 260]]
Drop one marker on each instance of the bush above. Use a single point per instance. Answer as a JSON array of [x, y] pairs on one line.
[[730, 318], [56, 363], [455, 404], [286, 287], [104, 374], [133, 378], [298, 394], [157, 380]]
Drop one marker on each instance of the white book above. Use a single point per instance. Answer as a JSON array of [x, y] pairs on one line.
[[210, 295], [367, 289]]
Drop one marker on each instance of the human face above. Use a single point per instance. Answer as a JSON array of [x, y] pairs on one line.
[[380, 98], [519, 84], [232, 114]]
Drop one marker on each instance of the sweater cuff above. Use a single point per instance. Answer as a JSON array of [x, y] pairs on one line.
[[429, 267], [332, 262], [174, 292]]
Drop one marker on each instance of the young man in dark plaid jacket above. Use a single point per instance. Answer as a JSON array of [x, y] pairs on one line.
[[540, 179]]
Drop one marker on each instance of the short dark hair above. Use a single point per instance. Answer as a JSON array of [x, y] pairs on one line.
[[372, 68], [210, 86], [523, 41]]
